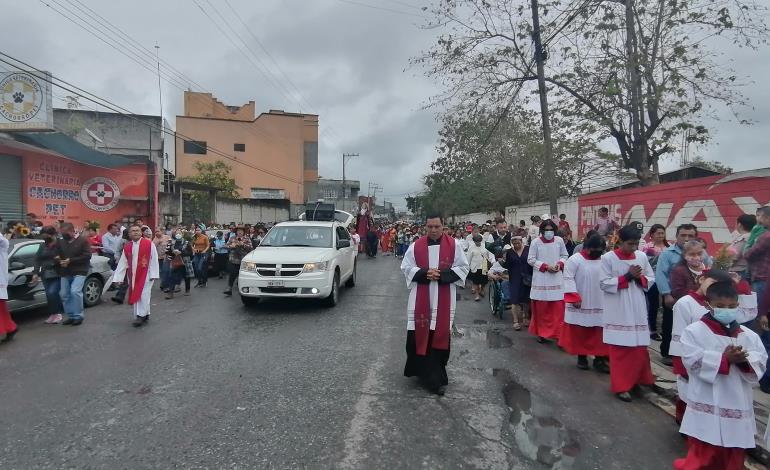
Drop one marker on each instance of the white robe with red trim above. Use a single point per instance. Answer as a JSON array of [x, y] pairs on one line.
[[409, 268], [582, 276], [720, 407], [547, 285], [141, 308], [625, 308]]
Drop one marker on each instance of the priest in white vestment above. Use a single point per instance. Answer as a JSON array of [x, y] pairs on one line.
[[547, 255], [626, 276], [582, 332], [724, 360], [433, 266], [138, 267]]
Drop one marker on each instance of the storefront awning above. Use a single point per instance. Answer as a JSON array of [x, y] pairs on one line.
[[71, 149]]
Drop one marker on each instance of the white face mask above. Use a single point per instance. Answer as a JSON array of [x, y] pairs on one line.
[[178, 236], [548, 234]]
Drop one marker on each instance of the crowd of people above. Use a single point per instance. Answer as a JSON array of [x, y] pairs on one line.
[[174, 256], [603, 297]]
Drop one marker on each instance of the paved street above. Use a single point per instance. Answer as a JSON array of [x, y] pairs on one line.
[[210, 384]]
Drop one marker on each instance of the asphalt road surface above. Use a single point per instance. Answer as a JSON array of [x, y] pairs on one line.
[[211, 384]]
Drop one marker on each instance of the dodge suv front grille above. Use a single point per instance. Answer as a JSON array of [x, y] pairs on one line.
[[280, 270]]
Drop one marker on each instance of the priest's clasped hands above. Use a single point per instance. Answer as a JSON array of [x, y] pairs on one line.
[[433, 275]]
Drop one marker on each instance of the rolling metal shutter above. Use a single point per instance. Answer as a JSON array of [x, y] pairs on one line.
[[10, 189]]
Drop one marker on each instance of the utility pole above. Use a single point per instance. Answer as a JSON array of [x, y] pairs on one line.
[[540, 57], [345, 158]]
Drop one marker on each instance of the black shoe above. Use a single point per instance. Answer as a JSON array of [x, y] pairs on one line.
[[117, 300], [76, 322], [541, 340], [600, 364], [138, 321], [582, 363], [228, 292], [667, 361], [440, 391], [68, 321], [203, 285], [656, 337], [624, 396], [9, 336]]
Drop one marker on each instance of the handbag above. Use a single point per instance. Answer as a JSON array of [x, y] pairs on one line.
[[177, 262]]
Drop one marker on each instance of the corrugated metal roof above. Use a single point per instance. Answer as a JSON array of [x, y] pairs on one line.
[[71, 149]]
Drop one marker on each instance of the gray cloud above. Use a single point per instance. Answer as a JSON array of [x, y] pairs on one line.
[[347, 61]]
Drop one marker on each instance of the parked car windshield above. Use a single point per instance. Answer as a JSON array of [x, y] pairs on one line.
[[317, 237]]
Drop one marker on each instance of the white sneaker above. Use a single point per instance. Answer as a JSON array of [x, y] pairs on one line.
[[57, 318]]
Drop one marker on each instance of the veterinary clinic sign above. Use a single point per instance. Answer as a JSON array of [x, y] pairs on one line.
[[25, 101]]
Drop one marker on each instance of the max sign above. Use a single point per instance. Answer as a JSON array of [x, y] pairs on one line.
[[712, 204]]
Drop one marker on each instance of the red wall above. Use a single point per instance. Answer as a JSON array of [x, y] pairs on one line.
[[710, 203], [53, 190]]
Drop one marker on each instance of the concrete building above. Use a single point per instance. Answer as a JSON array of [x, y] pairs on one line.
[[272, 156], [330, 190]]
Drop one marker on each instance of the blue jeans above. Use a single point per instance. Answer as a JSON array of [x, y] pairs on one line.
[[506, 288], [201, 266], [52, 287], [71, 294]]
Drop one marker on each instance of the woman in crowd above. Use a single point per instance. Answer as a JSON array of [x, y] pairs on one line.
[[259, 234], [479, 260], [239, 246], [655, 243], [744, 225], [547, 255], [519, 281], [179, 256], [684, 276], [200, 248], [45, 270]]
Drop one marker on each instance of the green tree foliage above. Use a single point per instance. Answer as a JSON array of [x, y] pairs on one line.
[[638, 73], [216, 175]]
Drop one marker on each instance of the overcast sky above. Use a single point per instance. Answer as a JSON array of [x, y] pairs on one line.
[[348, 62]]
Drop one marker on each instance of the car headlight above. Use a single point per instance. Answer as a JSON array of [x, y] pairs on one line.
[[250, 267], [315, 267]]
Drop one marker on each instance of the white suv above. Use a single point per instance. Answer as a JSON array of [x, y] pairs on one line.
[[302, 259]]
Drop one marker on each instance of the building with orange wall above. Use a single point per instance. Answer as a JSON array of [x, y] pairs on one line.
[[272, 156]]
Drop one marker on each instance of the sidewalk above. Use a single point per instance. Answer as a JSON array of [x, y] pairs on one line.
[[665, 385]]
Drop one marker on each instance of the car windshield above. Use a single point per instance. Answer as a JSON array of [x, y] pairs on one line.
[[317, 237]]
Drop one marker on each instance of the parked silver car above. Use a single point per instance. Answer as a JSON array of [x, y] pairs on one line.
[[21, 262]]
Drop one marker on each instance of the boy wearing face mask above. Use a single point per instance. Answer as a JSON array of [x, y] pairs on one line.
[[582, 331], [723, 360], [691, 308], [547, 255]]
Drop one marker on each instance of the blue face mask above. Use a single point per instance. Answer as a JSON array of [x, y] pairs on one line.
[[549, 234], [725, 316]]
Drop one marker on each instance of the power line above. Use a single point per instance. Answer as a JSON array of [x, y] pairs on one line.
[[123, 111], [374, 7]]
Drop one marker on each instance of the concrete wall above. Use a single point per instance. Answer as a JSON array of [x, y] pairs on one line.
[[476, 217], [251, 212], [565, 205], [168, 208]]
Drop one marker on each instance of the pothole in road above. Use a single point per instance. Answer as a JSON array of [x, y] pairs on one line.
[[538, 435]]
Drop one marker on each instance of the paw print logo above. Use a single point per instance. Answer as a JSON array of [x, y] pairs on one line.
[[18, 97]]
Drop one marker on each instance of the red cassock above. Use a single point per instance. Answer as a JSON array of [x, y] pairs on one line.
[[583, 340], [6, 322], [704, 456], [547, 318], [629, 366]]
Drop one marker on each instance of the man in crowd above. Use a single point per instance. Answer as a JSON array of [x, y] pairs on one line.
[[667, 259], [758, 258], [73, 259], [433, 266], [111, 244], [605, 225], [138, 268]]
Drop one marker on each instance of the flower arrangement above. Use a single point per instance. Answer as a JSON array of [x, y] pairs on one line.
[[21, 230], [725, 257], [93, 225]]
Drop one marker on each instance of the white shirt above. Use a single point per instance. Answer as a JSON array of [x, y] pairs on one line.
[[547, 285], [625, 310], [476, 256], [409, 268], [720, 407], [582, 276], [111, 243]]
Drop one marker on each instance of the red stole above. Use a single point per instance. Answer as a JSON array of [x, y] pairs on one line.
[[142, 268], [422, 310]]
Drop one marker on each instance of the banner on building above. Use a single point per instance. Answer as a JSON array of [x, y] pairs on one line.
[[26, 102]]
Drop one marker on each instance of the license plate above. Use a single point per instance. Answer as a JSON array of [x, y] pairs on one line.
[[275, 284]]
